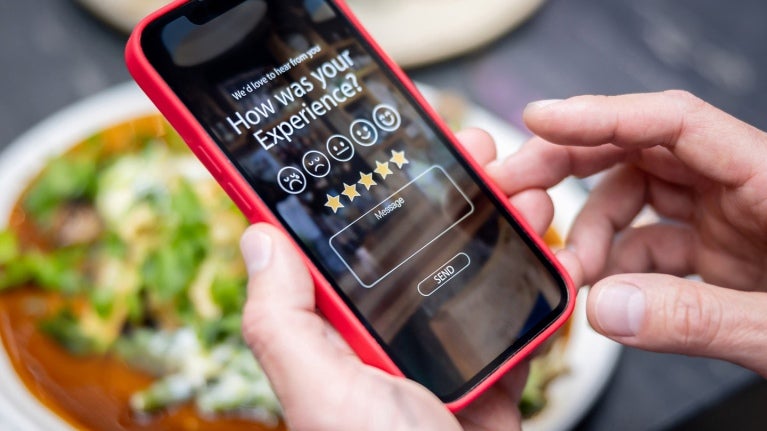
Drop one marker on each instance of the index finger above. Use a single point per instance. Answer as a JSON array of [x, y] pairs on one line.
[[700, 135], [539, 164]]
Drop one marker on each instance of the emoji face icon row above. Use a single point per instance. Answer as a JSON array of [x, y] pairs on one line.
[[341, 148]]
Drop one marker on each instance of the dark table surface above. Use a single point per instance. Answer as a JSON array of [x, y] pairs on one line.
[[54, 54]]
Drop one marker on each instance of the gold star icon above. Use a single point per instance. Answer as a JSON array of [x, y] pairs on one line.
[[383, 170], [367, 180], [334, 203], [398, 158], [350, 191]]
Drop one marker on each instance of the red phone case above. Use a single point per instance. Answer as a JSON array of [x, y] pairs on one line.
[[328, 301]]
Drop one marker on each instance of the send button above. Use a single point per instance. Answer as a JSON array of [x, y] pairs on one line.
[[444, 274]]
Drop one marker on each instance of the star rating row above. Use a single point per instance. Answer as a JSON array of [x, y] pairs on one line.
[[383, 170]]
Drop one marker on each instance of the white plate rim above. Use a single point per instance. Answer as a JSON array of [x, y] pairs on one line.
[[590, 357]]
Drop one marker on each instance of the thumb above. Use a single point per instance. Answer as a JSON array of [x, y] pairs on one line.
[[675, 315], [321, 384], [279, 320]]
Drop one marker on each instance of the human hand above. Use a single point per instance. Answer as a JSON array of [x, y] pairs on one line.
[[320, 382], [700, 169]]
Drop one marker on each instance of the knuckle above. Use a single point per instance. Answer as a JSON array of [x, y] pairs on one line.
[[696, 320], [690, 116], [685, 99]]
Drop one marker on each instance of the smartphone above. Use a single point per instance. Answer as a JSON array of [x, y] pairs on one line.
[[418, 260]]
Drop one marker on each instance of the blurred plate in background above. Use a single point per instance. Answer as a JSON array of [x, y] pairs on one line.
[[418, 32], [413, 32], [122, 14]]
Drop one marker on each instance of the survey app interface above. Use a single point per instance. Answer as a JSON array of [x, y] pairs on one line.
[[371, 190]]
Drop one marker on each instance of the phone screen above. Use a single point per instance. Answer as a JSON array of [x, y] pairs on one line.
[[376, 195]]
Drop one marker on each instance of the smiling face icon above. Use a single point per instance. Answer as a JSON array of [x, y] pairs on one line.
[[316, 164], [364, 133], [291, 180], [340, 148], [386, 118]]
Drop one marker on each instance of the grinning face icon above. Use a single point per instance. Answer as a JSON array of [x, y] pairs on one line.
[[340, 148], [386, 118], [364, 133]]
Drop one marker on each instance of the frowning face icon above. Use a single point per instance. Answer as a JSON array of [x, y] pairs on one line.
[[291, 180], [316, 164], [364, 133], [386, 118], [340, 148]]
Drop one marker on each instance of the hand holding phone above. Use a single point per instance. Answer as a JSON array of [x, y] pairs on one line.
[[417, 259]]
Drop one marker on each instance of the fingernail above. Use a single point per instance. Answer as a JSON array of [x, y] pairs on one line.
[[620, 309], [256, 249], [539, 104]]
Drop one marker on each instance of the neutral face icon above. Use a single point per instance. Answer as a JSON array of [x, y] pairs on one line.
[[291, 180], [316, 164], [387, 118], [340, 148], [364, 133]]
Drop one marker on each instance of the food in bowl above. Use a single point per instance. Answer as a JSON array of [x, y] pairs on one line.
[[123, 254], [121, 290]]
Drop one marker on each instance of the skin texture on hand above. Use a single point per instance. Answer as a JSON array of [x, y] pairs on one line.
[[703, 172], [320, 382]]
